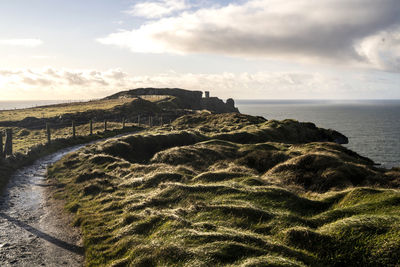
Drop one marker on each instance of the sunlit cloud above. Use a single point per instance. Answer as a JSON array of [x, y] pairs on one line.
[[157, 9], [382, 49], [332, 31], [21, 42], [53, 83]]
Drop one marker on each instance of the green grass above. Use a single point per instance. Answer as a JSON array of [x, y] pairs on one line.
[[30, 149], [200, 198], [25, 139], [60, 109]]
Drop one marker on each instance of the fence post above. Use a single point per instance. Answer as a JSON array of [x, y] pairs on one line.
[[161, 121], [91, 127], [150, 121], [1, 145], [73, 129], [48, 133], [138, 120], [105, 125], [8, 149], [123, 123]]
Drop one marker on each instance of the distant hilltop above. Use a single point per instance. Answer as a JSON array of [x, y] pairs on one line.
[[131, 105], [184, 99]]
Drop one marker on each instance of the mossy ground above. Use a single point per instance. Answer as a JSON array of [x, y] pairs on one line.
[[249, 193]]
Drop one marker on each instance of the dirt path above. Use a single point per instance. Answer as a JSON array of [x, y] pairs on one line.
[[34, 230]]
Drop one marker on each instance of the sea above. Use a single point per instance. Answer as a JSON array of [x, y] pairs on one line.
[[372, 126]]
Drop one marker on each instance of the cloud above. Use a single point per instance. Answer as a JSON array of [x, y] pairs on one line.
[[382, 49], [21, 42], [327, 31], [39, 57], [157, 9], [53, 83]]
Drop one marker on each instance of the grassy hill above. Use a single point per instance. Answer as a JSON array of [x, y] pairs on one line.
[[132, 111], [231, 190], [61, 109]]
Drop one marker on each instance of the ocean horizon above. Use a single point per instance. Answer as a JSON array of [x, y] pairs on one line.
[[372, 126]]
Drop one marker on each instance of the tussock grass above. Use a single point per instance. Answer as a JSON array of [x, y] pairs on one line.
[[187, 198]]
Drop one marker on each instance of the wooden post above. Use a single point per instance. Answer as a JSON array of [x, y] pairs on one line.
[[149, 121], [73, 129], [90, 127], [8, 149], [138, 120], [1, 145], [48, 133], [105, 125], [123, 123], [161, 121]]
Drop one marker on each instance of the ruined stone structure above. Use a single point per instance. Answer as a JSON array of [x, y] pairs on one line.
[[184, 98]]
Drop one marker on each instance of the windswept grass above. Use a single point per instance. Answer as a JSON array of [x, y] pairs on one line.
[[191, 198]]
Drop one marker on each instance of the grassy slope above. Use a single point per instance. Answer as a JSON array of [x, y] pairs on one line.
[[25, 137], [60, 109], [31, 142], [231, 190], [35, 150], [24, 140]]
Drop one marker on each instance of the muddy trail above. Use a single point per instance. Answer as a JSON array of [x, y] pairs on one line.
[[34, 230]]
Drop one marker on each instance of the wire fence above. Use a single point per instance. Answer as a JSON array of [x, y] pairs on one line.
[[21, 139]]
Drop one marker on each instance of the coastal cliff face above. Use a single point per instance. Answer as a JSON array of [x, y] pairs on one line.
[[186, 99]]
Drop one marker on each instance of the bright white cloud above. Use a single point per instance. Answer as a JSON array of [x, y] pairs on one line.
[[51, 83], [382, 49], [343, 31], [21, 42], [157, 9]]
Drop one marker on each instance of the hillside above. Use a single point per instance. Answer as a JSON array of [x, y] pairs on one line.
[[123, 112], [182, 99], [231, 190], [145, 102]]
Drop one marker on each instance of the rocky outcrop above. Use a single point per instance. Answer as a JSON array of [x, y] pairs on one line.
[[216, 105]]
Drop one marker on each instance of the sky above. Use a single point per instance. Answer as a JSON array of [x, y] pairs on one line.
[[245, 49]]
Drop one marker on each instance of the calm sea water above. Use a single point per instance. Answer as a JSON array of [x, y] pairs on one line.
[[372, 126]]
